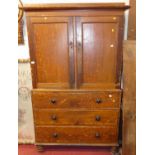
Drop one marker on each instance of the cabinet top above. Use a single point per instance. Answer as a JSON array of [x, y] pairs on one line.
[[68, 6]]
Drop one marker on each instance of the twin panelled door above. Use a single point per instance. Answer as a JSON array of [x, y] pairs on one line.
[[75, 52]]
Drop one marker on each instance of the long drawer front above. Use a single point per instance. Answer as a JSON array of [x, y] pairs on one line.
[[76, 117], [51, 99], [76, 135]]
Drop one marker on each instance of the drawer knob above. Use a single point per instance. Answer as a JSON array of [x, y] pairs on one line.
[[55, 135], [98, 100], [98, 118], [53, 101], [54, 117], [97, 135]]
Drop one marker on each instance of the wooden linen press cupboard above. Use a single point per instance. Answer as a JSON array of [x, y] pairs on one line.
[[76, 63]]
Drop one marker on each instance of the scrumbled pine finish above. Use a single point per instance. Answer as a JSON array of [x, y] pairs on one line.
[[76, 62]]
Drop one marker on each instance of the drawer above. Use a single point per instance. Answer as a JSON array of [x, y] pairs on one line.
[[76, 135], [51, 99], [76, 117]]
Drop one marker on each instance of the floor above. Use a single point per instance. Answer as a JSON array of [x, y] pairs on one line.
[[31, 150]]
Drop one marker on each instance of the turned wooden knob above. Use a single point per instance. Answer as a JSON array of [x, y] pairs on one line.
[[55, 135], [98, 118], [97, 135], [54, 117], [53, 101], [98, 100]]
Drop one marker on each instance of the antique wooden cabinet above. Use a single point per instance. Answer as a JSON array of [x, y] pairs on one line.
[[76, 63]]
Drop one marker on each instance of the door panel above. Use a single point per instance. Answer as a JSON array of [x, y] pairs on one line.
[[53, 51], [97, 52]]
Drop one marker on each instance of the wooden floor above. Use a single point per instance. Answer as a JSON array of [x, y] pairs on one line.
[[31, 150]]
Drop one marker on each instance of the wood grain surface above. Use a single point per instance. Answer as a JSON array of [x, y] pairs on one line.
[[132, 21], [107, 99], [76, 117], [97, 42], [129, 99], [75, 135], [30, 7]]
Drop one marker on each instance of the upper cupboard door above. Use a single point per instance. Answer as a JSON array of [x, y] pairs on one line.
[[51, 49], [98, 52]]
